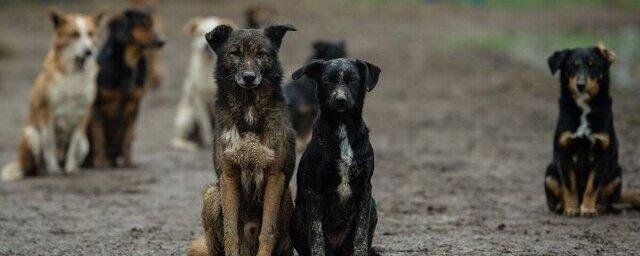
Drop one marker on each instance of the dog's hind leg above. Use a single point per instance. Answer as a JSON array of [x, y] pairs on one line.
[[198, 247], [212, 222], [553, 189], [78, 150]]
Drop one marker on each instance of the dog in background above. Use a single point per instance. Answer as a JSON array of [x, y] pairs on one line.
[[248, 211], [259, 16], [584, 177], [194, 118], [121, 80], [335, 213], [155, 63], [60, 101], [300, 94]]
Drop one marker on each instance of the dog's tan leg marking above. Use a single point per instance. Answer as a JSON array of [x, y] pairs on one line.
[[211, 220], [130, 115], [198, 247], [590, 197], [570, 196], [554, 186], [604, 139], [565, 139], [98, 141], [230, 193], [274, 188]]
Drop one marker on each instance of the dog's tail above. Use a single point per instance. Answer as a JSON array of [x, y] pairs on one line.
[[12, 171], [198, 247], [631, 196]]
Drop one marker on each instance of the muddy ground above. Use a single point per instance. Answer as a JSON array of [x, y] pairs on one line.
[[461, 137]]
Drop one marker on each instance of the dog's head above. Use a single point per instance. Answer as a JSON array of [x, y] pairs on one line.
[[248, 57], [341, 83], [135, 27], [584, 71], [75, 36], [328, 50]]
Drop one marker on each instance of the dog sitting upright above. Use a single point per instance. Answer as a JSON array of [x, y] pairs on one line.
[[584, 177], [300, 94], [121, 80], [60, 101], [194, 117], [335, 213], [248, 211]]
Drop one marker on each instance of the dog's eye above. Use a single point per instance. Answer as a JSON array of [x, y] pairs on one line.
[[75, 34], [235, 51], [591, 63], [92, 33], [262, 52]]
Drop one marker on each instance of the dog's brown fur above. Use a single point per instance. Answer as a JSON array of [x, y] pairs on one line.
[[59, 106], [248, 211]]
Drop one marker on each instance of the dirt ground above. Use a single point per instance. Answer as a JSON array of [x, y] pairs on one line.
[[461, 137]]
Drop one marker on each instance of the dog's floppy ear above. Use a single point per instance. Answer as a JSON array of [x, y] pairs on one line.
[[57, 17], [609, 55], [369, 74], [556, 60], [275, 33], [311, 70], [218, 36]]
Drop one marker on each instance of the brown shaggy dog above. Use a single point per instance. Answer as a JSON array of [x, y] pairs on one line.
[[248, 211]]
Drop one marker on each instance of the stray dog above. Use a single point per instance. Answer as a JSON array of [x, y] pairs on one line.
[[300, 95], [153, 55], [60, 101], [248, 211], [194, 118], [584, 177], [259, 15], [335, 213], [121, 79]]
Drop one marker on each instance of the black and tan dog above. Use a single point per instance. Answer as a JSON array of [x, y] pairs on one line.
[[121, 80], [300, 95], [584, 177], [335, 213], [248, 211]]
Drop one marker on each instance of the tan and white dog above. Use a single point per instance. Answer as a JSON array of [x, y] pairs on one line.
[[54, 137], [194, 117]]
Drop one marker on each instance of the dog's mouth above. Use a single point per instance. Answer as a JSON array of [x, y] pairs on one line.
[[80, 62]]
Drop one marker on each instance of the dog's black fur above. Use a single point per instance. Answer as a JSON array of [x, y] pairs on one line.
[[300, 95], [577, 154], [121, 79], [333, 216]]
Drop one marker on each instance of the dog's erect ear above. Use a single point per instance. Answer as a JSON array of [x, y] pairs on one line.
[[312, 70], [369, 74], [556, 60], [609, 55], [97, 17], [319, 46], [191, 27], [218, 36], [275, 33], [57, 17]]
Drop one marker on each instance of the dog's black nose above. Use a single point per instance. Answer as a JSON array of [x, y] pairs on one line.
[[581, 87], [159, 43], [249, 77], [341, 103], [87, 53]]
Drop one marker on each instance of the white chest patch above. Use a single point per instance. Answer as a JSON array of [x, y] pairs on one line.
[[250, 116], [583, 129], [344, 164], [71, 95]]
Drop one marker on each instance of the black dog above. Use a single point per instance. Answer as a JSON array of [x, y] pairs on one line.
[[300, 94], [121, 79], [584, 177], [335, 213]]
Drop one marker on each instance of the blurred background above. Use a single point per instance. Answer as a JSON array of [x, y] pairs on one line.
[[461, 123]]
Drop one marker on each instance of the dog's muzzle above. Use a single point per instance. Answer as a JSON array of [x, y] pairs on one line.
[[81, 60], [248, 80]]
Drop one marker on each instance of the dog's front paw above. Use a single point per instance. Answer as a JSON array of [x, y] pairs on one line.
[[588, 211], [571, 211]]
